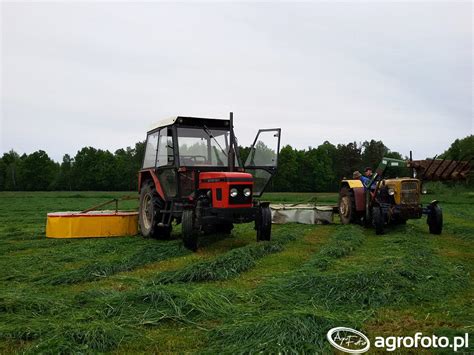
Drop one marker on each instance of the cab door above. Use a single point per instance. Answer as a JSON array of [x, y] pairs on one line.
[[262, 160]]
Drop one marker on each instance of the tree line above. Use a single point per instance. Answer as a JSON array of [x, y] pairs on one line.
[[307, 170]]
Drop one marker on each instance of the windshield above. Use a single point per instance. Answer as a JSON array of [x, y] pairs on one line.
[[203, 146]]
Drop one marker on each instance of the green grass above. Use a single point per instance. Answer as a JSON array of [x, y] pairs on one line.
[[131, 294]]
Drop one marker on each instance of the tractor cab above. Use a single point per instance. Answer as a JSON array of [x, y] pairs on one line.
[[193, 165]]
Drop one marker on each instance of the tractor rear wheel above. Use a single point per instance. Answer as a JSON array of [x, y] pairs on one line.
[[189, 232], [347, 211], [149, 215], [378, 220], [263, 224], [435, 220]]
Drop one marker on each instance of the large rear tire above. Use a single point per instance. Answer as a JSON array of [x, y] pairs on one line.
[[435, 220], [189, 232], [263, 224], [347, 210], [149, 215]]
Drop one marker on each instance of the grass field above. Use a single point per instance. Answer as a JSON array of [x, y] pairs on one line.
[[131, 294]]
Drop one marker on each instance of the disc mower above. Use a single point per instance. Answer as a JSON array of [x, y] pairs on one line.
[[192, 174], [383, 201]]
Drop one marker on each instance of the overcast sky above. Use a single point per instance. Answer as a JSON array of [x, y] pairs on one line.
[[100, 74]]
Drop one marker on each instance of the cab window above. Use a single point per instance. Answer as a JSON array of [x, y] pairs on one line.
[[150, 150]]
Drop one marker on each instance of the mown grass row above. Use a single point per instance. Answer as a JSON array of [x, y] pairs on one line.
[[315, 298], [343, 242], [283, 315], [102, 320], [153, 304], [230, 264], [417, 275], [101, 269], [142, 307]]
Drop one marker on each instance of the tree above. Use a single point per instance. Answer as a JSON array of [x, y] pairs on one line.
[[93, 169], [64, 179], [287, 177], [348, 159], [12, 163], [460, 149], [373, 152], [3, 172], [244, 153], [314, 169], [125, 171], [38, 171], [322, 174], [329, 153]]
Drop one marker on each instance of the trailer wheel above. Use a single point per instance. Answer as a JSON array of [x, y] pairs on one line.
[[346, 206], [378, 220], [149, 213], [435, 220], [263, 224], [189, 232]]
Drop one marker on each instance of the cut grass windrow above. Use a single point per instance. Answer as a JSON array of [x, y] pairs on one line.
[[101, 269], [151, 305], [90, 337], [343, 242], [289, 332], [100, 320], [418, 276], [229, 264]]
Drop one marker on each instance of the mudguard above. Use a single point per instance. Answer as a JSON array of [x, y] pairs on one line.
[[353, 183]]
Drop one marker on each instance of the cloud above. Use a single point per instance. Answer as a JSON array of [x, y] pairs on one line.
[[100, 73]]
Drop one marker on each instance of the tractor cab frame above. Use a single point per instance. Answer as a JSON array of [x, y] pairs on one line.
[[192, 174]]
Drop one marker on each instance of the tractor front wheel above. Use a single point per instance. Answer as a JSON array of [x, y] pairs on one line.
[[263, 224], [435, 220], [189, 232], [378, 220], [149, 215]]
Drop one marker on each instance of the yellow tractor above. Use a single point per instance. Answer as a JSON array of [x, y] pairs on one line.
[[382, 201]]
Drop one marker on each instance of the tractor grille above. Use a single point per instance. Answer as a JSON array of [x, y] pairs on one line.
[[410, 194]]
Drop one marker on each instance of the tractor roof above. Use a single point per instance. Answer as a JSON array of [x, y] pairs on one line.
[[197, 121]]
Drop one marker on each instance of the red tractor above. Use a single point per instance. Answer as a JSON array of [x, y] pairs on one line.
[[192, 174]]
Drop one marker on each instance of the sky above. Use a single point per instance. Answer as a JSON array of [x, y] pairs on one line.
[[99, 74]]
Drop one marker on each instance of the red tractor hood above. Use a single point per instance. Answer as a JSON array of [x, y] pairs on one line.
[[223, 176]]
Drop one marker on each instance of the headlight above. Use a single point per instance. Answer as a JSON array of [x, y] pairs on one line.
[[391, 192], [247, 192], [424, 192], [233, 192]]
